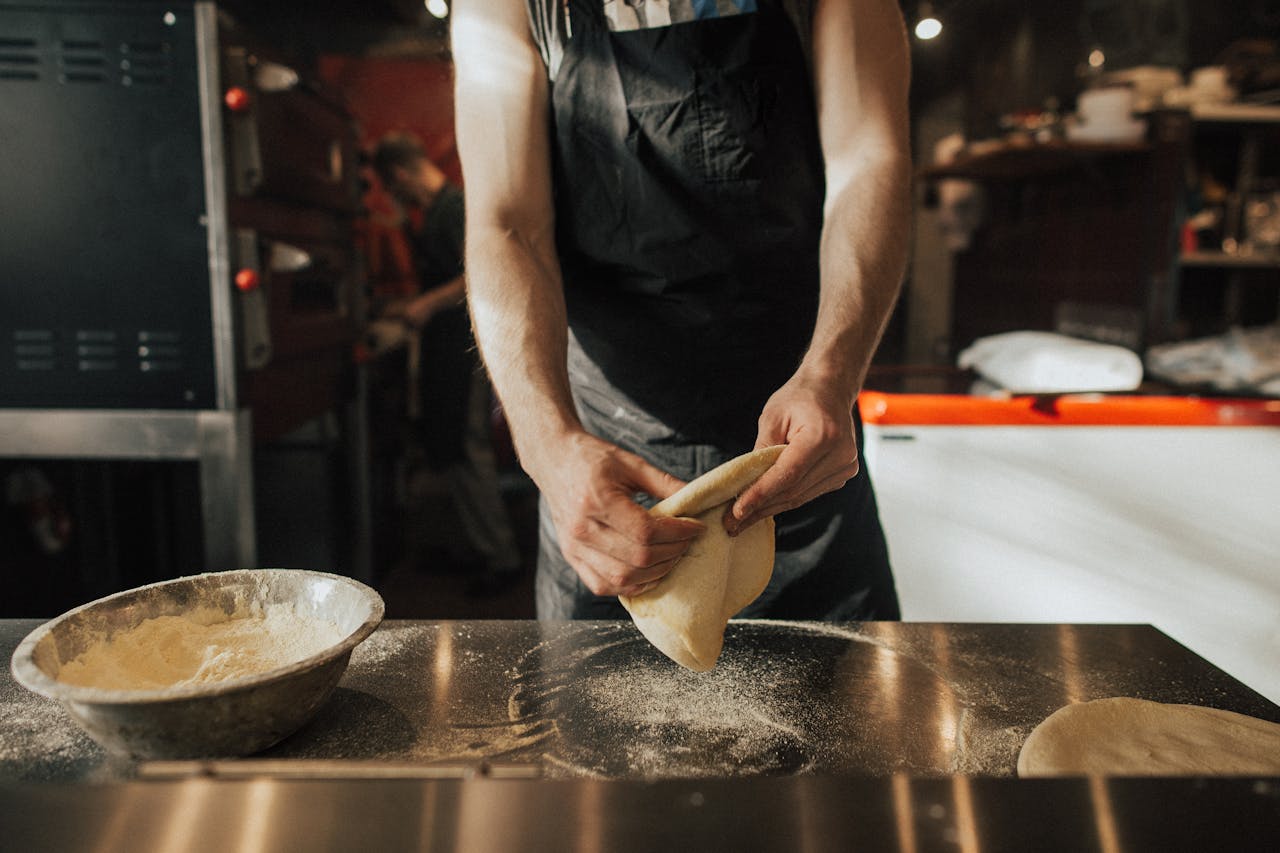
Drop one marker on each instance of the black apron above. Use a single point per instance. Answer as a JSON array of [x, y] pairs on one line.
[[689, 191]]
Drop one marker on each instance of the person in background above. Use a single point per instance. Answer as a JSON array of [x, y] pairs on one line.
[[454, 390], [685, 241]]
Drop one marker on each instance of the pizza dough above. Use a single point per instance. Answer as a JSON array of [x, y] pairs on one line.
[[685, 615], [1135, 737]]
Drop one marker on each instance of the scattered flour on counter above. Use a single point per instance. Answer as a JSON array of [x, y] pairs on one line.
[[34, 730], [200, 647]]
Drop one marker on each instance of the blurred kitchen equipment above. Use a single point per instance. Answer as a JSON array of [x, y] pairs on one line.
[[1208, 85], [1148, 82], [210, 300], [1106, 115], [223, 718], [1262, 223]]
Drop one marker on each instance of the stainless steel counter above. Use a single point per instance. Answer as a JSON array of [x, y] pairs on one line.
[[595, 700], [527, 736]]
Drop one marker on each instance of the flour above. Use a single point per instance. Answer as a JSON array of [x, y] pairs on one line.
[[200, 647]]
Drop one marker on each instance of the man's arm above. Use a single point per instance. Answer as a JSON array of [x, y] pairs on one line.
[[861, 78], [517, 307]]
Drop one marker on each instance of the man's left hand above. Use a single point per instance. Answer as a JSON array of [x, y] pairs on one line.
[[816, 424]]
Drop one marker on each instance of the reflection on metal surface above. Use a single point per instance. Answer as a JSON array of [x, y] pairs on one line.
[[904, 816], [948, 712], [188, 806], [258, 826], [810, 813], [591, 837], [1070, 655], [966, 823], [115, 836], [429, 816], [442, 666], [1104, 817]]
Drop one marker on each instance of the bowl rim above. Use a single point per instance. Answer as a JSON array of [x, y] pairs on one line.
[[27, 673]]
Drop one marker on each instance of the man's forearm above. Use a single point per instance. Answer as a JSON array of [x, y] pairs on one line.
[[862, 258], [517, 309], [862, 74]]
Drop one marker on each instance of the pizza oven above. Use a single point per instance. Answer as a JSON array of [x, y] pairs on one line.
[[178, 230], [179, 273]]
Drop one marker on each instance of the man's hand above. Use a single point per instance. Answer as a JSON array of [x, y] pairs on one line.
[[612, 542], [816, 424]]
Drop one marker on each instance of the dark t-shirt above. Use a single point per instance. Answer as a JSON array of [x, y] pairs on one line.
[[448, 356], [437, 245]]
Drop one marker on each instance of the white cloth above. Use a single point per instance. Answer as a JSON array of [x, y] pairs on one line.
[[1240, 360], [1050, 363]]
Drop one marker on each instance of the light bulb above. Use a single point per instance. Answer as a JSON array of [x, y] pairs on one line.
[[928, 28]]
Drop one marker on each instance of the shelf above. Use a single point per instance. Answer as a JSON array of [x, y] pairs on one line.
[[1236, 113], [1226, 261], [1011, 162]]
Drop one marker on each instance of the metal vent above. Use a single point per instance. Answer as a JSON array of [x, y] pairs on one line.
[[160, 351], [97, 350], [19, 59], [81, 61], [35, 350], [145, 63]]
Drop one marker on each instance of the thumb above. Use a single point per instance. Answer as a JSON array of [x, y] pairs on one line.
[[650, 479], [770, 431]]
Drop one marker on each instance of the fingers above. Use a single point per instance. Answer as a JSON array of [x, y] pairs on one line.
[[605, 574], [634, 539], [613, 543], [793, 487], [649, 479], [788, 502]]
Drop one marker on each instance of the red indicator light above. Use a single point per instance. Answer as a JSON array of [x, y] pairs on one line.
[[237, 99], [247, 279]]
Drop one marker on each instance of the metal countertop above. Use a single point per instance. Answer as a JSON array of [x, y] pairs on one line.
[[595, 700], [492, 736]]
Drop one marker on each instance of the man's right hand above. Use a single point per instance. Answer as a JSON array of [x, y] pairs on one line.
[[611, 541]]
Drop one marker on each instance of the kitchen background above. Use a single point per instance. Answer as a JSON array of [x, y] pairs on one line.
[[137, 129]]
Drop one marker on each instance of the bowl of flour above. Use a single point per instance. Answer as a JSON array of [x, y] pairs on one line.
[[214, 665]]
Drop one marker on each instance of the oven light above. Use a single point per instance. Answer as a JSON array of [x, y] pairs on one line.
[[237, 99], [247, 280]]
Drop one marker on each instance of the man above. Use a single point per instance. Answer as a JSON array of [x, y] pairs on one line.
[[685, 241], [455, 393]]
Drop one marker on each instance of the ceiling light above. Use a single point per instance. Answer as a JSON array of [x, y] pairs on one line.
[[439, 8], [927, 27]]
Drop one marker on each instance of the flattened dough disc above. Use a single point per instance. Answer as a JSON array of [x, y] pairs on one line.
[[685, 615], [1135, 737]]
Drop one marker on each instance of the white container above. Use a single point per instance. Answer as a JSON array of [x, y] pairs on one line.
[[999, 511]]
